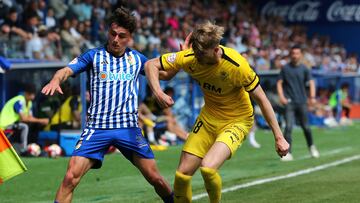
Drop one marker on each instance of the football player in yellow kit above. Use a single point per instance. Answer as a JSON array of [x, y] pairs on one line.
[[227, 82]]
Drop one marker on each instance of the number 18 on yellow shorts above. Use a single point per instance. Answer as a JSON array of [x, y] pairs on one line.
[[208, 130]]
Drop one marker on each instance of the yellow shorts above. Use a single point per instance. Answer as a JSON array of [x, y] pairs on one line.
[[207, 130]]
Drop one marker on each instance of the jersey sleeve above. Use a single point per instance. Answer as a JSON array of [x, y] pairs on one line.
[[281, 74], [18, 107], [143, 60], [172, 61], [82, 62], [246, 77]]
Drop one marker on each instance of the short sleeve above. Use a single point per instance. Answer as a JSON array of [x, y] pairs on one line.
[[82, 62], [143, 60], [246, 77], [18, 107], [172, 61], [281, 75]]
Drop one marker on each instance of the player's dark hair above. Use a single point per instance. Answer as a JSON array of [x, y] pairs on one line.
[[296, 47], [345, 85], [12, 10], [30, 88], [124, 18]]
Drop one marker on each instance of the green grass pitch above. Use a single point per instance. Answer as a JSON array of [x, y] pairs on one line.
[[119, 181]]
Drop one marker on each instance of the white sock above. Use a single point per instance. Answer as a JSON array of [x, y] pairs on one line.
[[151, 136]]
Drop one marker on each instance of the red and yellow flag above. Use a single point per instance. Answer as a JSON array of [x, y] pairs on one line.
[[10, 163]]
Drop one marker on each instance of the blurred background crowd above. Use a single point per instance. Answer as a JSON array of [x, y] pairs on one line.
[[61, 30]]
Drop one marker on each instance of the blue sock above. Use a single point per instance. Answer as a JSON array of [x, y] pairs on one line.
[[56, 201], [168, 199]]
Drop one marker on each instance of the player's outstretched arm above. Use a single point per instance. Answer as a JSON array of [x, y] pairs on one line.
[[259, 96], [152, 72], [59, 77]]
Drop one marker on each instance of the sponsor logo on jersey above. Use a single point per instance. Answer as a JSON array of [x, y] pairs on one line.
[[131, 60], [119, 76], [211, 87], [74, 61]]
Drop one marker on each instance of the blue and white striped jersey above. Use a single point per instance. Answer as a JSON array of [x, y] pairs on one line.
[[114, 86]]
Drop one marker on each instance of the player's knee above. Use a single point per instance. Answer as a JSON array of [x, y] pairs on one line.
[[186, 170], [208, 163]]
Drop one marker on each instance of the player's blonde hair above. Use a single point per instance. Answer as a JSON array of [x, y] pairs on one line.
[[206, 36]]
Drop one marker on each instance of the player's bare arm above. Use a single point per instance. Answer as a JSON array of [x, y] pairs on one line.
[[280, 91], [312, 92], [59, 77], [152, 71], [32, 119], [259, 96]]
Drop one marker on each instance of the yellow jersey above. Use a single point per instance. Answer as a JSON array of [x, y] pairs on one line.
[[225, 85]]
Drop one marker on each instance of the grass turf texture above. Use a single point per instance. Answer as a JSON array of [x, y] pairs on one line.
[[119, 181]]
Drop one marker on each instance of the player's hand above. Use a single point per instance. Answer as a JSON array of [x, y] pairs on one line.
[[281, 146], [44, 121], [51, 87], [186, 44], [283, 100], [164, 100]]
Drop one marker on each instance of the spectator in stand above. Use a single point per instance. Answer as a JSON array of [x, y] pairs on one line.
[[263, 62], [43, 45], [173, 21], [352, 64], [70, 45], [60, 8], [81, 9], [32, 22], [12, 25], [50, 20], [35, 7]]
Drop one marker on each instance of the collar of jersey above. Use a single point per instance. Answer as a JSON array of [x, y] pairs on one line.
[[127, 49]]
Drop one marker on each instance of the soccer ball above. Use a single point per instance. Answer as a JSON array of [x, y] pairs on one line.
[[34, 149], [53, 150]]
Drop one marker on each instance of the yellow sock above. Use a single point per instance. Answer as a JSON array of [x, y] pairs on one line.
[[212, 181], [182, 188], [149, 122]]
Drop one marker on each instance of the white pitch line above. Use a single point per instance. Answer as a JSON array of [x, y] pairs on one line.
[[326, 153], [290, 175]]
